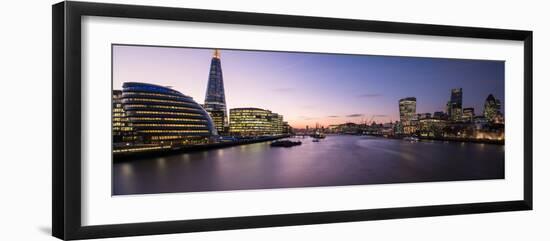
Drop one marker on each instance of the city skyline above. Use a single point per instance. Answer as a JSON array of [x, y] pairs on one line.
[[310, 88]]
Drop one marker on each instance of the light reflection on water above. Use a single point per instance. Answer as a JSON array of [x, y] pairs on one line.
[[335, 160]]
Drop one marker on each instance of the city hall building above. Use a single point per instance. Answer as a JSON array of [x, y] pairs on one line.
[[159, 114]]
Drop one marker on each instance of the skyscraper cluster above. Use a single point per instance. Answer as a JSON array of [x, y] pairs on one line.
[[455, 121]]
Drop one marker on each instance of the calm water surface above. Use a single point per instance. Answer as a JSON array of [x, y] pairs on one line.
[[334, 161]]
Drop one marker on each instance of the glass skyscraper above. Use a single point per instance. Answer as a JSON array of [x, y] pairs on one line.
[[407, 109], [454, 107], [214, 102], [407, 114], [492, 108]]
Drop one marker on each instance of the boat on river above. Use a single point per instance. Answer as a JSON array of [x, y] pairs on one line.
[[285, 143], [411, 139], [318, 135]]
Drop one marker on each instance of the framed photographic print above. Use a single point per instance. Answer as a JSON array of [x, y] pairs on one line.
[[170, 120]]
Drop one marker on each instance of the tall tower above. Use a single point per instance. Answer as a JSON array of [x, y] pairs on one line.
[[454, 106], [492, 108], [407, 114], [214, 102]]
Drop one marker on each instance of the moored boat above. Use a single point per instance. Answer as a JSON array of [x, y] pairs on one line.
[[318, 135], [411, 139], [285, 143]]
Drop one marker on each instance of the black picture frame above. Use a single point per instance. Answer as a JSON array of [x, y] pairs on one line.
[[66, 158]]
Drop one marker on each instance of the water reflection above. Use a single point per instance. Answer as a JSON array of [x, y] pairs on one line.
[[336, 160], [126, 169]]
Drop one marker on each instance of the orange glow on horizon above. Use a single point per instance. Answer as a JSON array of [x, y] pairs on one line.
[[301, 124]]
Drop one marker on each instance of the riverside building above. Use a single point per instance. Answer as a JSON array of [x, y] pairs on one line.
[[121, 127], [255, 122], [160, 115]]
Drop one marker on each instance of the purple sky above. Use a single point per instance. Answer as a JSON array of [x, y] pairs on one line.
[[309, 88]]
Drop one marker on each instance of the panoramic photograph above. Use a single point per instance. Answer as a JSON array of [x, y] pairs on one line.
[[203, 119]]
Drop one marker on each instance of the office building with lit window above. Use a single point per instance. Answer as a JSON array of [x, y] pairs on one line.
[[407, 114], [214, 102], [454, 106], [254, 122], [468, 114], [277, 123], [491, 108], [431, 127], [121, 128], [218, 118], [159, 114]]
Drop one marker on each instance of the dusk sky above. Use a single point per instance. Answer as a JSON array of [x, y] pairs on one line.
[[310, 88]]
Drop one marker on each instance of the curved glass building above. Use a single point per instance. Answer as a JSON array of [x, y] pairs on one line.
[[162, 115]]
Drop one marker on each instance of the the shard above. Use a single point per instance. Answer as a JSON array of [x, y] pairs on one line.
[[214, 102]]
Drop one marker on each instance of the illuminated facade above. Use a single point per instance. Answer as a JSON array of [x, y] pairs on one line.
[[214, 102], [161, 115], [218, 117], [468, 114], [277, 123], [121, 128], [431, 127], [255, 122], [407, 114], [454, 106], [491, 109]]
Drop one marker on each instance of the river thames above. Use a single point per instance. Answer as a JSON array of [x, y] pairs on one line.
[[334, 161]]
